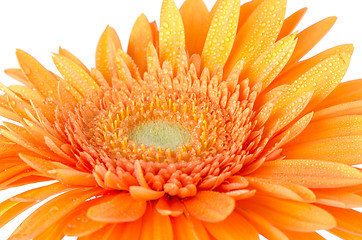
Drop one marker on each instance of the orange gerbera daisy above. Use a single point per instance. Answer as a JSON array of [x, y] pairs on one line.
[[206, 128]]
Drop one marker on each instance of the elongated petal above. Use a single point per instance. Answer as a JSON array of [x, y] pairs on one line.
[[102, 234], [18, 75], [195, 16], [310, 173], [172, 33], [345, 92], [271, 62], [121, 208], [332, 127], [78, 224], [283, 116], [320, 74], [59, 171], [166, 206], [246, 10], [283, 190], [347, 219], [156, 226], [141, 36], [345, 150], [291, 215], [232, 228], [255, 36], [295, 72], [338, 198], [291, 22], [263, 226], [73, 58], [303, 235], [210, 206], [145, 194], [40, 78], [221, 35], [188, 228], [106, 53], [51, 212], [14, 206], [74, 177], [308, 38], [343, 109], [128, 230], [75, 75], [13, 171], [343, 234]]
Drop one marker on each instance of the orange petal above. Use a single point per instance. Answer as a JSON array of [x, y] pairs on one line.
[[106, 53], [309, 37], [344, 235], [73, 58], [348, 91], [156, 226], [269, 64], [290, 215], [221, 34], [78, 224], [172, 34], [127, 230], [255, 36], [210, 206], [349, 108], [289, 133], [73, 177], [303, 235], [195, 16], [55, 231], [13, 171], [18, 75], [331, 127], [320, 75], [59, 171], [347, 219], [16, 205], [338, 198], [232, 228], [263, 226], [41, 78], [246, 10], [121, 208], [131, 65], [141, 36], [27, 93], [52, 211], [282, 190], [291, 22], [32, 146], [188, 228], [169, 206], [102, 234], [310, 173], [144, 194], [282, 116], [75, 75], [345, 150]]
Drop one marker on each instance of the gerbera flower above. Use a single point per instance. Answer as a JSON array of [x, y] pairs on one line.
[[208, 127]]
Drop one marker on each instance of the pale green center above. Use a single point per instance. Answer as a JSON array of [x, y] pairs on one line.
[[160, 133]]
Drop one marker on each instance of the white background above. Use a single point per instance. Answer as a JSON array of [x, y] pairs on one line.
[[41, 26]]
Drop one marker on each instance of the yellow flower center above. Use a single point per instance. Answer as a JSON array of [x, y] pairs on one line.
[[160, 133]]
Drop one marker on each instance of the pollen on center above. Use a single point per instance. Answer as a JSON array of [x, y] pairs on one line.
[[160, 133]]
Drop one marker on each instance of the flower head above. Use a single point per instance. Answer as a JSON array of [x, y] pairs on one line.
[[208, 127]]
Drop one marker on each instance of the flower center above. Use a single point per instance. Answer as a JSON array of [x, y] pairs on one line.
[[160, 133]]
